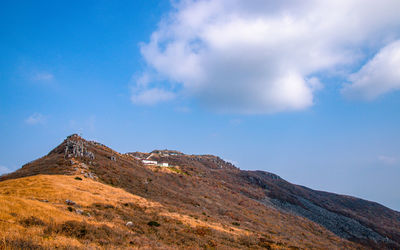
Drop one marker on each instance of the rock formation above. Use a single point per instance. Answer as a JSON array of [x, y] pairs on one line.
[[76, 148]]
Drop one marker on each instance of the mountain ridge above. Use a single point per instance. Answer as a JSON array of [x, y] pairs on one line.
[[198, 184]]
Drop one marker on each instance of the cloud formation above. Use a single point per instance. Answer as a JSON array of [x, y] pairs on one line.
[[151, 96], [388, 160], [35, 118], [42, 76], [380, 75], [4, 170], [262, 56]]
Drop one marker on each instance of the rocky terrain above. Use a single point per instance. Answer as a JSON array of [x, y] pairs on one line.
[[86, 195]]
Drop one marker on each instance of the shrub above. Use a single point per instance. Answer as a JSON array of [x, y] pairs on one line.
[[212, 243], [19, 244], [103, 235], [78, 178], [201, 230], [32, 221], [105, 206], [247, 240], [176, 170], [153, 224]]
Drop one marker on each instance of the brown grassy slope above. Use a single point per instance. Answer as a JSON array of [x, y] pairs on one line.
[[260, 185], [202, 187], [33, 214]]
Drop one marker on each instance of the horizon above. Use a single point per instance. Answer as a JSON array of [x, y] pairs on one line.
[[294, 89]]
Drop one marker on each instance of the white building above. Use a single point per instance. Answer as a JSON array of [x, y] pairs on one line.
[[163, 164], [149, 162]]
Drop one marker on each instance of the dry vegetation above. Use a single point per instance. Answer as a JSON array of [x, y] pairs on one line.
[[33, 214], [201, 202]]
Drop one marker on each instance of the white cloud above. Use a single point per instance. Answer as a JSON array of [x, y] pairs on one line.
[[35, 118], [4, 170], [183, 109], [388, 160], [263, 56], [380, 75], [42, 76], [235, 122], [151, 96], [143, 79]]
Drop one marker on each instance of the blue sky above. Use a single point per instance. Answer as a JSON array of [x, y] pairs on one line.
[[266, 85]]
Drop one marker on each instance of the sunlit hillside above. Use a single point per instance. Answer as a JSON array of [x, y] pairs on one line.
[[84, 194], [34, 214]]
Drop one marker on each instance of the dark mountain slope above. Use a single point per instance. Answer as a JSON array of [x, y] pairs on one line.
[[206, 187], [349, 217]]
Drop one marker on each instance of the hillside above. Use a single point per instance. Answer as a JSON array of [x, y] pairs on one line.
[[116, 201]]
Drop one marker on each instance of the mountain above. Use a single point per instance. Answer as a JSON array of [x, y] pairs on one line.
[[86, 195]]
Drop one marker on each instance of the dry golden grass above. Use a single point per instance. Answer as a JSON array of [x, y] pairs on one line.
[[31, 206], [24, 198], [196, 204], [57, 188]]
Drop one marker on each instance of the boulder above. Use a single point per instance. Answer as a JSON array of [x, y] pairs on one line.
[[69, 202]]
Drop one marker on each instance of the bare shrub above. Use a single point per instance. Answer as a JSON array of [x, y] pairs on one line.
[[83, 231], [31, 221]]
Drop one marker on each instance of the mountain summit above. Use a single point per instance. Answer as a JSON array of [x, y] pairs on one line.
[[84, 194]]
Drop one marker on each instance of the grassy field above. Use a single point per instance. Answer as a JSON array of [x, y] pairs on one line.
[[200, 202], [34, 214]]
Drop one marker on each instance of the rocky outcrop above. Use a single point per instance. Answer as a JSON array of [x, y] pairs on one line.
[[167, 152], [76, 148], [90, 175]]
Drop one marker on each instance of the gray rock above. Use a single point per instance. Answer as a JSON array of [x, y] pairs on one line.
[[69, 202], [79, 211], [77, 148], [90, 175], [89, 155], [83, 165]]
